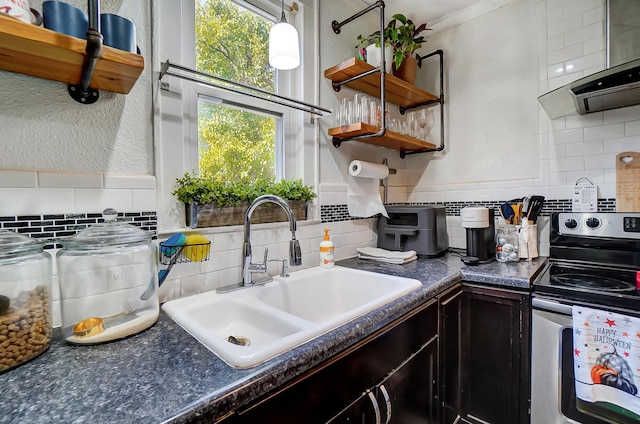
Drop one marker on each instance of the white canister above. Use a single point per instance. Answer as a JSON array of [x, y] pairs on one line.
[[374, 58]]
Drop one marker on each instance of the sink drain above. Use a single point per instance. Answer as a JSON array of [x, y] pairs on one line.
[[240, 341]]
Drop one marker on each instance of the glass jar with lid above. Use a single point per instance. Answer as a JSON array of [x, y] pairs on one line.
[[25, 299], [108, 278]]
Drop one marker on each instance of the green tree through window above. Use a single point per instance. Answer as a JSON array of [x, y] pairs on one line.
[[234, 142]]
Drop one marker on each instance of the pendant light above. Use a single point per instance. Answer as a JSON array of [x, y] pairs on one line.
[[284, 51]]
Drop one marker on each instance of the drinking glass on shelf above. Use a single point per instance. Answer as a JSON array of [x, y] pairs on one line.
[[350, 115], [364, 109], [357, 107], [341, 115], [394, 125], [405, 128], [373, 113], [421, 118], [411, 123]]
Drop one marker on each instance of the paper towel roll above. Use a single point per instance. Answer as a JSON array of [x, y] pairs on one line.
[[363, 194], [362, 169]]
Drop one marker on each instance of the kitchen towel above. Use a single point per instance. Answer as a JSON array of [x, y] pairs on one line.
[[386, 256], [606, 354], [363, 189]]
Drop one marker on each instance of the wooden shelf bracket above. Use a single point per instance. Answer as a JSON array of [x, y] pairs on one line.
[[83, 93], [439, 101]]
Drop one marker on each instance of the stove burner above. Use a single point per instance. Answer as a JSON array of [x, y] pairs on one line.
[[588, 281]]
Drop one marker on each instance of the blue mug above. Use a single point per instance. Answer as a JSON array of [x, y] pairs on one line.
[[64, 18], [118, 32]]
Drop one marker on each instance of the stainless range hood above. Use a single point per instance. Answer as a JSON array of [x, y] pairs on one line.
[[609, 89], [615, 87]]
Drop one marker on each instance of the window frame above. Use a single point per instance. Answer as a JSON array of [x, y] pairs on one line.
[[176, 103]]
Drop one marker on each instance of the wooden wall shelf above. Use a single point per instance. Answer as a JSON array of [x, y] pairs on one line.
[[391, 140], [39, 52], [398, 92]]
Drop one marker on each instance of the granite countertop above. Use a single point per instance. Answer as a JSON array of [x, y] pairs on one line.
[[165, 375]]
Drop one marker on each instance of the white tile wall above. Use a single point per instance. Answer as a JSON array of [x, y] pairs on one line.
[[224, 266], [45, 192]]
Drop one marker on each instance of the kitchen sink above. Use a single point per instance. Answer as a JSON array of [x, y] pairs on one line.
[[250, 326]]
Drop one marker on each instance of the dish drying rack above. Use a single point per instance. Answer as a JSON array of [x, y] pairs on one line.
[[171, 254], [183, 253]]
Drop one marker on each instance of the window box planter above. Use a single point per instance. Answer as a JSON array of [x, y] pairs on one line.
[[209, 215]]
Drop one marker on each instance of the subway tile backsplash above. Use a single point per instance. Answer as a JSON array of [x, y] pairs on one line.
[[52, 226]]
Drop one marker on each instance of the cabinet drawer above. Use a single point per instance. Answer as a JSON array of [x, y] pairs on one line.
[[324, 391]]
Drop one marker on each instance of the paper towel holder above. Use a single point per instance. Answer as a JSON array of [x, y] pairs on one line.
[[383, 182]]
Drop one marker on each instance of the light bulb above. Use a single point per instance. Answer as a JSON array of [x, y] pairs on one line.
[[284, 50]]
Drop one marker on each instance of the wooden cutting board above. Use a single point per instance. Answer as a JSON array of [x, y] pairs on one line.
[[628, 182]]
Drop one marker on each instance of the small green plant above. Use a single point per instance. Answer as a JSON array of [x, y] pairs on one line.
[[405, 38], [374, 38], [191, 188]]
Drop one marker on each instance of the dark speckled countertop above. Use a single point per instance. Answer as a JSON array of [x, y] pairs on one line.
[[165, 375]]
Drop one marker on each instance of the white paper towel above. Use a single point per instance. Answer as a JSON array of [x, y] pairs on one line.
[[363, 194]]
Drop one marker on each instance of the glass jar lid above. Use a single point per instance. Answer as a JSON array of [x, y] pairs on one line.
[[13, 244], [107, 233]]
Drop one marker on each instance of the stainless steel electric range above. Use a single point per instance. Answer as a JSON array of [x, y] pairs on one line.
[[594, 262]]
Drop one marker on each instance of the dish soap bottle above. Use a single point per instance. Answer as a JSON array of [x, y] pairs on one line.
[[326, 251]]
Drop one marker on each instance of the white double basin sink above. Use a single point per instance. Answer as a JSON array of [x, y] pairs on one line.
[[252, 325]]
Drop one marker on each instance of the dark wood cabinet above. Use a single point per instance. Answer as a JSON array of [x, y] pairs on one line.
[[460, 358], [484, 336], [399, 362], [450, 338]]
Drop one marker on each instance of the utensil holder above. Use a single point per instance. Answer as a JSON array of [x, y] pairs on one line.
[[532, 251]]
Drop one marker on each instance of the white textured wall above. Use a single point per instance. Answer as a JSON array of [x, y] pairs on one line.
[[490, 95], [334, 49], [43, 128]]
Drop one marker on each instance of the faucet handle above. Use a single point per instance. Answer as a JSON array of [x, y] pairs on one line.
[[266, 257], [285, 266]]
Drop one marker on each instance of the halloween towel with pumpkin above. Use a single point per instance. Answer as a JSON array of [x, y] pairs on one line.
[[606, 353]]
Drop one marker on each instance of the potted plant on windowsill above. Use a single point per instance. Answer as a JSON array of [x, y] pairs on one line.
[[406, 39], [211, 203]]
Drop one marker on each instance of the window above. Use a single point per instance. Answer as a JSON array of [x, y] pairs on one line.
[[267, 139], [235, 141]]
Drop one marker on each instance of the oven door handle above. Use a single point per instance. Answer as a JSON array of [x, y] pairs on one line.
[[551, 306]]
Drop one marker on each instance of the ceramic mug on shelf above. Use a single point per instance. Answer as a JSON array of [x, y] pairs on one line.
[[65, 19], [118, 32]]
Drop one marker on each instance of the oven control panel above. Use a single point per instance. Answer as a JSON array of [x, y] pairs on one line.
[[603, 224]]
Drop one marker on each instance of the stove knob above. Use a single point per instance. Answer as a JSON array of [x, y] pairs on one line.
[[570, 223], [593, 222]]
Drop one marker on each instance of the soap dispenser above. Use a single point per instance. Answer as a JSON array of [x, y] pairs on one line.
[[326, 251]]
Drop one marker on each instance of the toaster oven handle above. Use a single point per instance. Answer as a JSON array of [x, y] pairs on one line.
[[400, 229], [397, 231]]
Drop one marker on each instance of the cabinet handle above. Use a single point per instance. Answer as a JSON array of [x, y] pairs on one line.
[[387, 400], [376, 409]]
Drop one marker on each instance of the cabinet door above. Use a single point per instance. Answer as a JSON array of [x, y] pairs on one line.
[[450, 365], [326, 390], [365, 409], [495, 353], [409, 395]]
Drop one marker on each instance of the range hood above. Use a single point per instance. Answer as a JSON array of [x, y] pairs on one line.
[[618, 85], [612, 88]]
